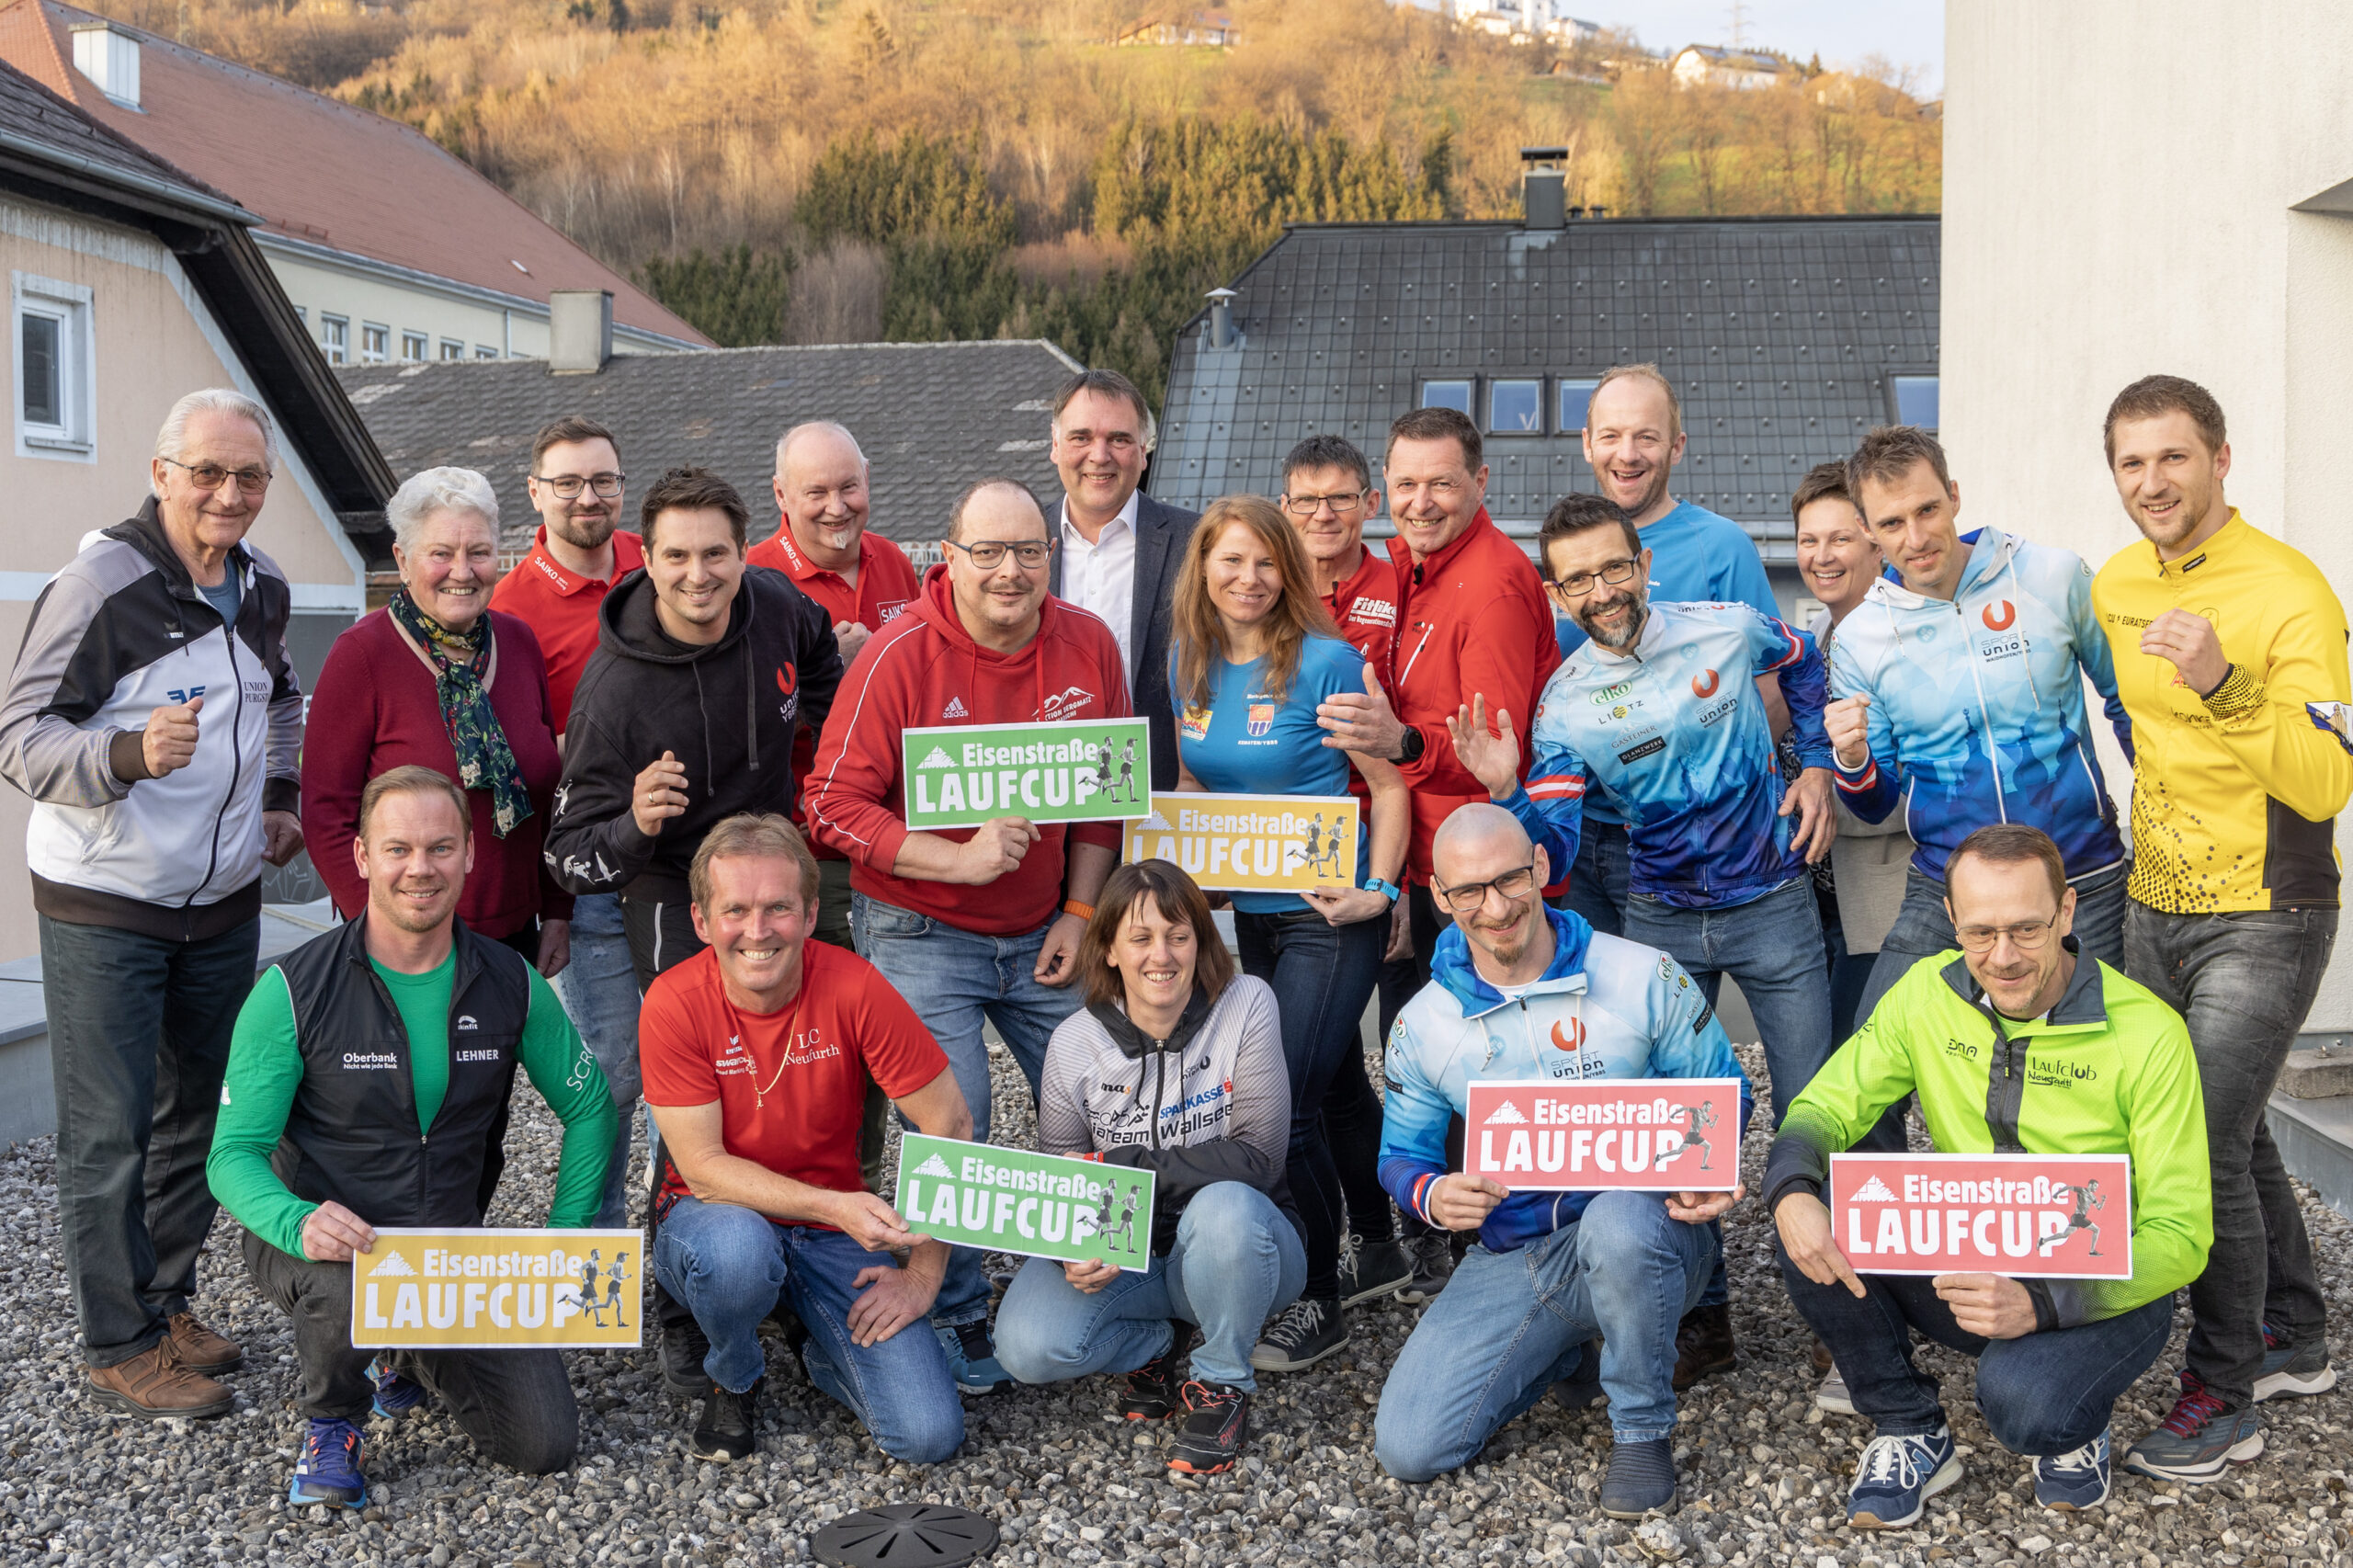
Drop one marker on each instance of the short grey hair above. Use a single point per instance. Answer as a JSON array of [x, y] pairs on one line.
[[171, 440], [440, 490], [813, 426]]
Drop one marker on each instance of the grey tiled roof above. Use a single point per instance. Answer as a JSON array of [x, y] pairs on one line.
[[930, 417], [1779, 335]]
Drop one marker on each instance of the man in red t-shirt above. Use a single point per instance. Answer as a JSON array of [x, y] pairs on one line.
[[756, 1054], [575, 484]]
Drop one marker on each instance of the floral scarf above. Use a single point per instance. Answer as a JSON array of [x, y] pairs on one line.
[[461, 661]]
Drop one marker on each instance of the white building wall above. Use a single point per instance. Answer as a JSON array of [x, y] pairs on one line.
[[2119, 176]]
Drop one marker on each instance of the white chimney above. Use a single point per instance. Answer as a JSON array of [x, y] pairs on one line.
[[110, 58], [580, 331]]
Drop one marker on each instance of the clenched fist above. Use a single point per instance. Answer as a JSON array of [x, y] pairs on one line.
[[659, 794], [1848, 721], [168, 744], [996, 850]]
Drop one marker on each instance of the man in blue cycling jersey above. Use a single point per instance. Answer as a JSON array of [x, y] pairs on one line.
[[1961, 685], [1660, 716]]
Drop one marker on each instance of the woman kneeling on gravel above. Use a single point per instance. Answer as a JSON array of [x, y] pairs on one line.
[[1176, 1066]]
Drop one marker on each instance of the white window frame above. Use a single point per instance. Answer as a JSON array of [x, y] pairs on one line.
[[421, 343], [451, 350], [375, 343], [74, 437], [484, 351], [329, 327]]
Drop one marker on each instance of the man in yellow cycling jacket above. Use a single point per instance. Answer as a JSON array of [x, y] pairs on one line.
[[2230, 656]]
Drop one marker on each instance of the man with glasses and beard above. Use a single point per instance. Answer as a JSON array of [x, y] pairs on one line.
[[1659, 714]]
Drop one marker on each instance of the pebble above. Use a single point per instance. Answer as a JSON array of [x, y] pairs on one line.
[[1762, 1486]]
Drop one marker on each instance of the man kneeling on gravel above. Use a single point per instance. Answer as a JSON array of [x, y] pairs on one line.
[[1511, 981], [2020, 1043], [756, 1053], [347, 1107]]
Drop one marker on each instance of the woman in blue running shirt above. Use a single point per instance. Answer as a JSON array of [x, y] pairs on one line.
[[1253, 653]]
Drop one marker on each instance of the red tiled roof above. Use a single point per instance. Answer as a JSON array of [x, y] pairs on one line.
[[320, 170]]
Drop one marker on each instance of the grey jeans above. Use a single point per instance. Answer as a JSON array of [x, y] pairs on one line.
[[2243, 981]]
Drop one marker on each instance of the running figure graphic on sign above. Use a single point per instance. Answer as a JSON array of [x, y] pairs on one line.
[[589, 1270], [2087, 1198], [613, 1278], [1703, 1121], [1127, 770], [1126, 1234], [1103, 767]]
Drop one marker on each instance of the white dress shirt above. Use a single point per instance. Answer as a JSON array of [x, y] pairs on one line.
[[1101, 577]]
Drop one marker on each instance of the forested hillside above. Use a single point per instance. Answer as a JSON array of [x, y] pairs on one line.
[[836, 170]]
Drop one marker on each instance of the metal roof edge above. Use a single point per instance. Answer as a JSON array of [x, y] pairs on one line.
[[181, 198], [700, 353]]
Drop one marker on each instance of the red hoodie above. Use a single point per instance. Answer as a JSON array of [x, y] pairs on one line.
[[923, 670], [1471, 619]]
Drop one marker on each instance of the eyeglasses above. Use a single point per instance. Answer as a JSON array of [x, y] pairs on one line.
[[1308, 505], [567, 485], [1467, 897], [988, 554], [1616, 573], [2030, 936], [209, 476]]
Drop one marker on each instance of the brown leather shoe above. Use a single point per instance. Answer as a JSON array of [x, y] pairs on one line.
[[157, 1383], [1823, 1360], [201, 1350], [1704, 1345]]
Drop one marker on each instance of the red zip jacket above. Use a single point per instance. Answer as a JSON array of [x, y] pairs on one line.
[[1471, 619], [923, 670]]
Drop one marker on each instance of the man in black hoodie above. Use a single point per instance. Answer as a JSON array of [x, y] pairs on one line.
[[703, 671]]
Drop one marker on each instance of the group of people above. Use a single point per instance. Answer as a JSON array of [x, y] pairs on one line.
[[631, 818]]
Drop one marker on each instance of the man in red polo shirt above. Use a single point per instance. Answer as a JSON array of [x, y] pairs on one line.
[[580, 552]]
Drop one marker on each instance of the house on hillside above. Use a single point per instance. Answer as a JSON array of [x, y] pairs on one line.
[[931, 418], [1700, 65], [1786, 339], [130, 282], [1189, 30], [391, 248]]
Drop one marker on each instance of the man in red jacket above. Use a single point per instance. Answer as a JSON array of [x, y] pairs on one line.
[[971, 923]]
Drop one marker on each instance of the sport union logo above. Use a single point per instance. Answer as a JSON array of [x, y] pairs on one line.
[[1703, 685], [934, 1166], [1573, 1039], [1506, 1114], [394, 1267], [1874, 1191], [1998, 618]]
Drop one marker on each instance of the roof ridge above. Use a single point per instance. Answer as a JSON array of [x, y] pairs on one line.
[[1047, 343]]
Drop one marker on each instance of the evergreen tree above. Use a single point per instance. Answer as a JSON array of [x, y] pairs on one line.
[[736, 299]]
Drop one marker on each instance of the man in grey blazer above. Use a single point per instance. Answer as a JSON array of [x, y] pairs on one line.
[[1117, 551]]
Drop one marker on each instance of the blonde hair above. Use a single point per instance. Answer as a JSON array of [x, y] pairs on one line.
[[752, 836], [1644, 371], [1296, 614]]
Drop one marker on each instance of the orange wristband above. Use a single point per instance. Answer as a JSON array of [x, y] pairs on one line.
[[1083, 911]]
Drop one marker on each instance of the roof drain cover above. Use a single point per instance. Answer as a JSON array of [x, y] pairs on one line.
[[906, 1535]]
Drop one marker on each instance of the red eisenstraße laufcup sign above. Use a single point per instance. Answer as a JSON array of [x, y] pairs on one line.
[[2059, 1216], [1637, 1135]]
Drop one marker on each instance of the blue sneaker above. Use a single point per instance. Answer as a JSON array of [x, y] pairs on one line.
[[1898, 1476], [2200, 1440], [2075, 1479], [395, 1395], [972, 1359], [2290, 1369], [328, 1471]]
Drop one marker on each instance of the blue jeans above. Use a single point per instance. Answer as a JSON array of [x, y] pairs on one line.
[[2040, 1393], [599, 989], [1923, 929], [1510, 1324], [1235, 1262], [954, 980], [1322, 975], [728, 1265], [1601, 881]]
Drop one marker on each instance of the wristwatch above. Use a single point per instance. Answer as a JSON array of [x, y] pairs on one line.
[[1410, 749], [1389, 891]]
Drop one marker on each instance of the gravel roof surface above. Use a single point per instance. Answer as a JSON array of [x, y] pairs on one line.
[[1764, 1473]]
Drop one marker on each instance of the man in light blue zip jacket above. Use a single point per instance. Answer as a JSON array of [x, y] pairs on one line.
[[1522, 991], [1958, 682]]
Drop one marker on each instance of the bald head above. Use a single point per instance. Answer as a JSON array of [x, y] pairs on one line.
[[823, 438], [1476, 836], [821, 492], [1492, 879], [998, 508]]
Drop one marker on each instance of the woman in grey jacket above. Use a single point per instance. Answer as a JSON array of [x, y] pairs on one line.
[[1176, 1065]]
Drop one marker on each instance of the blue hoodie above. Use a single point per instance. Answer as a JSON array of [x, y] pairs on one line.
[[1603, 1009]]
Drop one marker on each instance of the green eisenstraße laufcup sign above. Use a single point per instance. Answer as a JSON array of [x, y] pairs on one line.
[[977, 1195], [1078, 770]]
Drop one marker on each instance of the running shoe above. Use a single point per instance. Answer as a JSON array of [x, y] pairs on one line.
[[328, 1469], [395, 1395], [2075, 1479], [1216, 1415], [2200, 1440], [971, 1357], [1897, 1477], [730, 1428], [2290, 1369], [1156, 1389]]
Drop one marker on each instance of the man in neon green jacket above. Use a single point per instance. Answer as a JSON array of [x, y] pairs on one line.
[[2016, 1044]]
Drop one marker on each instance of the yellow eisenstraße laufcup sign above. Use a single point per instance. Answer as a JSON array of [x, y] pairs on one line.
[[495, 1290], [1252, 842]]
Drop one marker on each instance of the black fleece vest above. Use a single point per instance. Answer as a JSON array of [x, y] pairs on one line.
[[351, 1136]]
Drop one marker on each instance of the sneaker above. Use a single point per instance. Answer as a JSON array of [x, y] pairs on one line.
[[729, 1429], [1369, 1269], [1833, 1396], [972, 1359], [1431, 1255], [2290, 1369], [2200, 1440], [1301, 1335], [1640, 1481], [1156, 1389], [395, 1395], [1581, 1390], [1704, 1346], [2075, 1479], [157, 1383], [1210, 1440], [1823, 1360], [201, 1350], [328, 1471], [1898, 1476], [684, 1348]]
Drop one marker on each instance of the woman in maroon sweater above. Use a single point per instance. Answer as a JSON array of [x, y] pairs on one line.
[[440, 679]]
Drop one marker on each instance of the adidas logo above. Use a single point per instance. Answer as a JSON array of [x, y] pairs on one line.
[[955, 710]]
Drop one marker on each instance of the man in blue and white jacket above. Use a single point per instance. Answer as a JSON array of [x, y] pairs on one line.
[[1522, 991], [1958, 690]]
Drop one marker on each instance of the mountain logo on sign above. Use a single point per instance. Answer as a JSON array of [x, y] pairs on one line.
[[1506, 1114], [394, 1267], [1874, 1191], [934, 1166], [938, 758], [1155, 822]]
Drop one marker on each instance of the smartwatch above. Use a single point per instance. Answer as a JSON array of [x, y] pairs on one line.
[[1389, 891], [1410, 749]]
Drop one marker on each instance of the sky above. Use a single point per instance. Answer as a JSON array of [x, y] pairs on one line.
[[1909, 32]]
